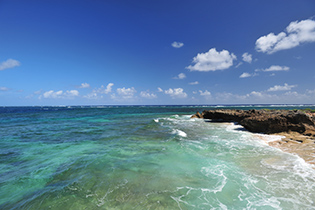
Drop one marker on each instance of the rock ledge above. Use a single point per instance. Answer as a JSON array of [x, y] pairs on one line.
[[297, 127], [265, 121]]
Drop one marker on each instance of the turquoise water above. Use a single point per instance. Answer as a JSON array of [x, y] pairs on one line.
[[143, 158]]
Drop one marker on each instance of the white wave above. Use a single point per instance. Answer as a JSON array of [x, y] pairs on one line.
[[264, 138], [218, 173], [156, 120], [234, 127], [268, 138], [179, 132]]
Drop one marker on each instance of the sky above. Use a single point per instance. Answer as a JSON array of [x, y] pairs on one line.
[[159, 52]]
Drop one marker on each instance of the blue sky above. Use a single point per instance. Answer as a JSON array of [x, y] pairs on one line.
[[107, 52]]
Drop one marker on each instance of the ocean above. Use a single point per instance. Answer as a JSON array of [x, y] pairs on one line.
[[144, 157]]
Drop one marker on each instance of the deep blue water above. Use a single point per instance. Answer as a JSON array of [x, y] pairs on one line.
[[143, 157]]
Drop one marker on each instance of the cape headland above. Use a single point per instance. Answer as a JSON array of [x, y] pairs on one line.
[[297, 127]]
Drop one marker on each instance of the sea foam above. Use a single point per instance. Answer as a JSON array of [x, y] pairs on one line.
[[179, 132]]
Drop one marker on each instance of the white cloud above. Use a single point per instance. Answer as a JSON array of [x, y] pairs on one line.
[[52, 94], [176, 93], [72, 93], [160, 89], [282, 88], [97, 92], [205, 93], [146, 94], [228, 97], [267, 43], [177, 44], [103, 90], [247, 57], [256, 94], [109, 88], [93, 95], [180, 76], [10, 63], [212, 61], [239, 64], [194, 83], [245, 74], [4, 89], [84, 85], [252, 97], [60, 94], [297, 32], [265, 97], [38, 93], [126, 93], [276, 68]]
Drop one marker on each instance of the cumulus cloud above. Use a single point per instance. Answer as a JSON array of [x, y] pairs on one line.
[[212, 60], [146, 94], [126, 93], [93, 95], [245, 74], [205, 93], [103, 90], [176, 93], [250, 98], [285, 87], [72, 93], [97, 93], [180, 76], [60, 94], [36, 93], [267, 43], [247, 57], [177, 44], [275, 68], [10, 63], [160, 89], [297, 32], [84, 85], [265, 97], [194, 83], [229, 97], [53, 94], [256, 94], [109, 88]]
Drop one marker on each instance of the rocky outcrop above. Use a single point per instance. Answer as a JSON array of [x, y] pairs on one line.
[[265, 121], [296, 127]]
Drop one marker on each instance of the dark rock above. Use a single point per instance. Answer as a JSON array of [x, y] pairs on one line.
[[263, 121]]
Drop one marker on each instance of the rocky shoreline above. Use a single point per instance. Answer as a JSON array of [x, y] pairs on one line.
[[297, 127]]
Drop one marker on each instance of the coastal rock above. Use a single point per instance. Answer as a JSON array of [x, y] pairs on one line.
[[296, 127], [197, 115], [264, 121]]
